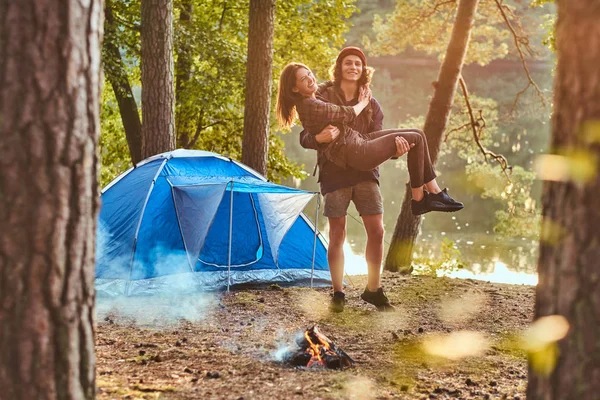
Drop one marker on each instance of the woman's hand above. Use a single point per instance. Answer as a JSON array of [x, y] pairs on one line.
[[364, 94], [364, 98]]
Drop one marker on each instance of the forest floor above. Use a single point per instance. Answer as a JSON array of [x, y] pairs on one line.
[[449, 338]]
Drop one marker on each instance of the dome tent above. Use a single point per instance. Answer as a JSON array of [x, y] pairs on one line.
[[166, 226]]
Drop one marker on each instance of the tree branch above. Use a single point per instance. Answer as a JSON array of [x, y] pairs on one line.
[[426, 15], [457, 129], [520, 41], [200, 128], [222, 15], [124, 22], [478, 127]]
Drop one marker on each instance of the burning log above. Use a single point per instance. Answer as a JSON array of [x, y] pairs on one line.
[[316, 350]]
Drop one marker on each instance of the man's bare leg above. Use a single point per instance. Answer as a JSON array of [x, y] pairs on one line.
[[374, 251], [335, 252]]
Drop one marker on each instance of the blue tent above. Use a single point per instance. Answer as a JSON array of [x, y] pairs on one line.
[[166, 226]]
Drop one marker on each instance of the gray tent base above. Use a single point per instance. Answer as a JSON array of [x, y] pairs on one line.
[[206, 281]]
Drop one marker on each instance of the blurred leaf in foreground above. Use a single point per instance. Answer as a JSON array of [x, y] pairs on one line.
[[579, 165], [540, 342]]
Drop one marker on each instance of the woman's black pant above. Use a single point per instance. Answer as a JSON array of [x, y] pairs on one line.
[[365, 154]]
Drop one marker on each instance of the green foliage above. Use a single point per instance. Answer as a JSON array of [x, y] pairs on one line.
[[459, 136], [362, 21], [210, 94], [548, 25], [540, 3], [114, 152], [449, 261], [520, 216], [549, 21], [426, 27]]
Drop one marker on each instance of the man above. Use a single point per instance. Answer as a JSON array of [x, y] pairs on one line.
[[340, 186]]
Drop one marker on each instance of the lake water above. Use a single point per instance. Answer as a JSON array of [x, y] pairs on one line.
[[404, 88]]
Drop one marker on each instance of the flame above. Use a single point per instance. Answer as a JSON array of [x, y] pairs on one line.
[[316, 349]]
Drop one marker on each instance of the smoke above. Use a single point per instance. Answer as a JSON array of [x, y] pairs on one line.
[[156, 311], [286, 345], [282, 353], [170, 296]]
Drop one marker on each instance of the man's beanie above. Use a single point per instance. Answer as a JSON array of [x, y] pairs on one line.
[[355, 51]]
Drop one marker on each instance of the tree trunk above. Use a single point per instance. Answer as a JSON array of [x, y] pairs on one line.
[[158, 95], [569, 283], [258, 84], [184, 117], [117, 76], [399, 256], [49, 128]]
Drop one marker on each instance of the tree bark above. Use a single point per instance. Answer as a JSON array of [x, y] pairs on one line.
[[184, 118], [49, 128], [117, 76], [399, 255], [569, 279], [258, 84], [158, 94]]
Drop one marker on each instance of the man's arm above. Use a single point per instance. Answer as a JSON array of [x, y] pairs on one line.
[[322, 90], [308, 141], [319, 141]]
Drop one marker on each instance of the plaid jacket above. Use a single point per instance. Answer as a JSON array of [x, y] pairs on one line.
[[331, 176], [316, 114]]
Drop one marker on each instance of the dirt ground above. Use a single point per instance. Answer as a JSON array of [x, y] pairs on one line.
[[449, 338]]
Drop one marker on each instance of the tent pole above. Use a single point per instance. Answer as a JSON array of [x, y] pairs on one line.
[[230, 236], [139, 224], [312, 271]]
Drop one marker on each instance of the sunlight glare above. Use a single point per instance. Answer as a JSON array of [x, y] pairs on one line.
[[456, 345], [500, 274], [359, 388], [461, 309]]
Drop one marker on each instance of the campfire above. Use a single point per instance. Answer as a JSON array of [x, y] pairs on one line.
[[316, 350]]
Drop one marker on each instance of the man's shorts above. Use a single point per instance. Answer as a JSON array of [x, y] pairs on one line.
[[365, 195]]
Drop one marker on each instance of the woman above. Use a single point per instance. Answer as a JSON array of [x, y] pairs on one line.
[[296, 97]]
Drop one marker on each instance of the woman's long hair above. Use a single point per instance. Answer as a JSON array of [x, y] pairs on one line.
[[286, 97]]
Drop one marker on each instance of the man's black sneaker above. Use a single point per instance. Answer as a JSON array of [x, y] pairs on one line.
[[435, 202], [378, 299], [337, 302]]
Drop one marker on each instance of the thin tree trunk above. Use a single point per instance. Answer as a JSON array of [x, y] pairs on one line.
[[158, 94], [569, 273], [117, 76], [399, 256], [258, 84], [184, 118], [49, 127]]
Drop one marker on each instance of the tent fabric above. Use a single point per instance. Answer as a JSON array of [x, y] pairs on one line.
[[193, 203], [167, 225]]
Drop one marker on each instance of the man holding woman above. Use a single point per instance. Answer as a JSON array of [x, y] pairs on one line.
[[339, 185], [348, 159]]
